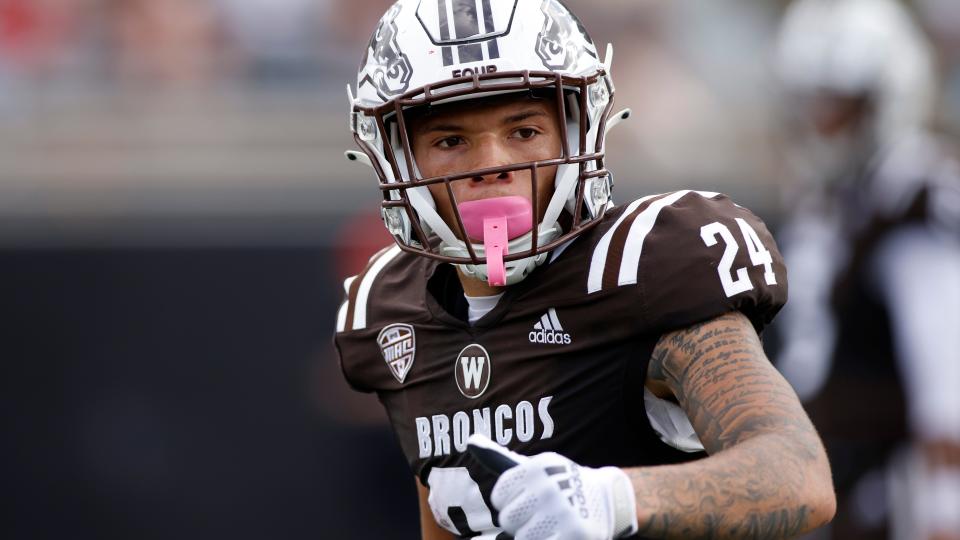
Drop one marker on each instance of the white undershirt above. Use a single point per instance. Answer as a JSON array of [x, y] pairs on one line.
[[480, 306]]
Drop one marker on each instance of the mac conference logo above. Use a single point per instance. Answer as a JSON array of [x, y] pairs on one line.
[[399, 347], [472, 371]]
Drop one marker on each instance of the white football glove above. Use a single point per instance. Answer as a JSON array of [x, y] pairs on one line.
[[547, 496]]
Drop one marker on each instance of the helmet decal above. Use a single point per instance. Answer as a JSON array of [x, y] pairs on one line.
[[387, 67], [462, 25], [562, 40]]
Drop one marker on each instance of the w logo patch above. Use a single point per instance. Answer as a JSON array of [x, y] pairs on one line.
[[472, 371], [398, 345]]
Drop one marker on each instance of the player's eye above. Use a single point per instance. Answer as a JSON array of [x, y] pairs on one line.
[[525, 133], [449, 142]]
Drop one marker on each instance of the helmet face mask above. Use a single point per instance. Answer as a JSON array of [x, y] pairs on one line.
[[408, 69]]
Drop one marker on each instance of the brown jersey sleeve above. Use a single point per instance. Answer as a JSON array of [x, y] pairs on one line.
[[706, 256], [356, 350], [690, 256]]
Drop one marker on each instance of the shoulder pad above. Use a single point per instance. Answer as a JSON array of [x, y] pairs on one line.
[[352, 314], [616, 256], [688, 256]]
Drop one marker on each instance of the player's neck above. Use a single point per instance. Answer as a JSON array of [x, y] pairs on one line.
[[475, 287]]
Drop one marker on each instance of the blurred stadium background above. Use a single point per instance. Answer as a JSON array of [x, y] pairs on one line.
[[176, 217]]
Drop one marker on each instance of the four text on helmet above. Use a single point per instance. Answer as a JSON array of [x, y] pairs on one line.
[[469, 72]]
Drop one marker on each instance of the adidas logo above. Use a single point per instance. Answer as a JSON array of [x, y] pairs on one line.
[[549, 330]]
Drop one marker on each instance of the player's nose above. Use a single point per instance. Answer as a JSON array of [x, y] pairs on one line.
[[490, 154]]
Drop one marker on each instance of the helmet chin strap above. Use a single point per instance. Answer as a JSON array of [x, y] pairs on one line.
[[515, 271], [453, 246], [422, 201]]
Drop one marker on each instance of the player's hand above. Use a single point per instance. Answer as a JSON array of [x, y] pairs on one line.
[[549, 496]]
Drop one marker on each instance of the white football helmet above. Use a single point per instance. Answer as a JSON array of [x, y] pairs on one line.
[[859, 49], [429, 52]]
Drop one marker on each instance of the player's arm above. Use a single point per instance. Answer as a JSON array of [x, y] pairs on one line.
[[429, 530], [767, 475], [917, 270]]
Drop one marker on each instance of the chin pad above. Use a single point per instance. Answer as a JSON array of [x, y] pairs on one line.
[[496, 221]]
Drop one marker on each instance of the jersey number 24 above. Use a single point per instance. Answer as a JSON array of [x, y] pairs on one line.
[[759, 255]]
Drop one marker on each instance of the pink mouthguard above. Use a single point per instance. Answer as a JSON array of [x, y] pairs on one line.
[[497, 220]]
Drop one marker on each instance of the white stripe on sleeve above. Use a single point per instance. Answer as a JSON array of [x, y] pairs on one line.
[[342, 312], [599, 259], [360, 309], [633, 248]]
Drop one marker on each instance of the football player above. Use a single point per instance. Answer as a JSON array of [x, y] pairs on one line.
[[870, 336], [613, 350]]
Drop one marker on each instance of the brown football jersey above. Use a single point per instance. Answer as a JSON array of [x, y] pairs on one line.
[[559, 364]]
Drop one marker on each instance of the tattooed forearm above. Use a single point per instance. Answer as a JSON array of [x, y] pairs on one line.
[[778, 524], [767, 476], [750, 492]]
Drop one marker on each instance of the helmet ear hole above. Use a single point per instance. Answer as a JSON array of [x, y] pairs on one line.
[[616, 119]]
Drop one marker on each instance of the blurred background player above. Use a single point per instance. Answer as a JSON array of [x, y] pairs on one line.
[[871, 335]]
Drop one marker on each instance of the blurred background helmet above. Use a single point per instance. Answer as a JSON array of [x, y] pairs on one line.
[[859, 75], [425, 54]]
